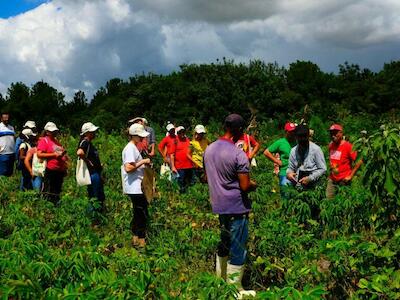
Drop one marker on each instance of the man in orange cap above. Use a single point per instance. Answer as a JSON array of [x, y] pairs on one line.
[[341, 158]]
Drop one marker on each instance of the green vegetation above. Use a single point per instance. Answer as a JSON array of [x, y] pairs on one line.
[[351, 250]]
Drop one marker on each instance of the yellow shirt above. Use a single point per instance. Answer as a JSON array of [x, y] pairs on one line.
[[198, 148]]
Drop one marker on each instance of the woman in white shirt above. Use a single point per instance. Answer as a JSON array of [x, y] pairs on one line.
[[132, 175]]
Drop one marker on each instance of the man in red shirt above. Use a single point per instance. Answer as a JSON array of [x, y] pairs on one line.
[[167, 145], [341, 158], [180, 162], [249, 145]]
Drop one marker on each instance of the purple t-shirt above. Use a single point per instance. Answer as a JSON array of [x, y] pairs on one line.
[[223, 161]]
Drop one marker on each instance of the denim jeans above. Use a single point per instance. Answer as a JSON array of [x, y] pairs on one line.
[[96, 190], [284, 184], [234, 233], [7, 164], [37, 182], [185, 178]]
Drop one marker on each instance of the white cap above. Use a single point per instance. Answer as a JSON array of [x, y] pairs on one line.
[[88, 127], [50, 126], [30, 124], [138, 129], [28, 132], [199, 129], [179, 128], [134, 120], [170, 126], [145, 121]]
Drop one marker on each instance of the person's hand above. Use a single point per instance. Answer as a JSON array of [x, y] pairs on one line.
[[305, 180], [146, 161], [253, 185], [279, 162], [347, 178], [174, 170], [151, 154], [165, 159], [58, 154], [292, 177]]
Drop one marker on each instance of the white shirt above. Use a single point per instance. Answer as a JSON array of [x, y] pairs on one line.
[[7, 139], [132, 182]]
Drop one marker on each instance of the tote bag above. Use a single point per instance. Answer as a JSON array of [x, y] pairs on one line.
[[82, 173], [38, 166], [165, 171], [149, 184]]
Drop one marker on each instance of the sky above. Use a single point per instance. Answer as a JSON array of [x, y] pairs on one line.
[[80, 44]]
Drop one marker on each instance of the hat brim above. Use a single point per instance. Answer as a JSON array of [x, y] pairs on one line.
[[143, 134], [200, 131]]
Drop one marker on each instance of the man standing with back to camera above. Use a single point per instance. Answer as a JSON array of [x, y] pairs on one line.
[[227, 170]]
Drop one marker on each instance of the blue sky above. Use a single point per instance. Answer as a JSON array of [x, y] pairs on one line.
[[10, 8]]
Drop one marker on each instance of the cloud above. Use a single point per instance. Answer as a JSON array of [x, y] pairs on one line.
[[80, 44]]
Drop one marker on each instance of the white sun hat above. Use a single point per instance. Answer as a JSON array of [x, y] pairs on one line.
[[88, 127], [50, 126], [179, 128], [30, 124], [28, 132], [199, 129], [170, 126], [138, 129]]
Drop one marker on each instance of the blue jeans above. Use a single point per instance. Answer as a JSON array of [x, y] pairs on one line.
[[185, 178], [234, 234], [284, 184], [96, 190], [7, 164], [37, 183]]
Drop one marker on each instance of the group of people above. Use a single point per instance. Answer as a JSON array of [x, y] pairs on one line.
[[225, 164]]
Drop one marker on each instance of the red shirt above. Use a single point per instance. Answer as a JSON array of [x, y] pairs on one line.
[[49, 145], [181, 154], [245, 142], [168, 142], [341, 158]]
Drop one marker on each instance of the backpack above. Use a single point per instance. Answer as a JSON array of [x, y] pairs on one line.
[[20, 163]]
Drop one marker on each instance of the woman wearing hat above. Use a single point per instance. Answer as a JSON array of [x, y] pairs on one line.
[[90, 155], [50, 149], [27, 140], [132, 172]]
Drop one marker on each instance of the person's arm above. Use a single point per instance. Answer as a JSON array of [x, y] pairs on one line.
[[162, 149], [354, 171], [291, 170], [44, 155], [132, 166], [321, 168], [245, 183], [272, 157], [27, 162], [255, 147], [172, 159], [22, 153], [152, 149], [82, 153]]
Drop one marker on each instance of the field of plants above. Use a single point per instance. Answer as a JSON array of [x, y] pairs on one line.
[[350, 250]]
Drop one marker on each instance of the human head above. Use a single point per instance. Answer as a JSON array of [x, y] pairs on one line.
[[171, 129], [290, 129], [181, 131], [336, 133], [51, 129], [137, 131], [5, 118], [28, 134], [234, 124], [88, 130], [199, 131], [302, 134], [30, 125]]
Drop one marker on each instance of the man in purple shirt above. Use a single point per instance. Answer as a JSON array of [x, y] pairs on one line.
[[227, 169]]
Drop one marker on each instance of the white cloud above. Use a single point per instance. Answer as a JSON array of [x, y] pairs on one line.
[[80, 44]]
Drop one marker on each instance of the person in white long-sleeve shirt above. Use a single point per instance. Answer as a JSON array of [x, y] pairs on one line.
[[7, 146], [306, 161]]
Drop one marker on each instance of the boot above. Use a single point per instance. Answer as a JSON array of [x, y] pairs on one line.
[[220, 266], [234, 276]]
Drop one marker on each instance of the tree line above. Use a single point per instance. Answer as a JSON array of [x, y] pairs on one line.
[[207, 92]]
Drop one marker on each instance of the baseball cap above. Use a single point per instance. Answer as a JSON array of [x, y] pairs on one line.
[[88, 127], [170, 126], [180, 128], [234, 121], [138, 129], [28, 132], [50, 126], [289, 126], [199, 129], [336, 127], [302, 129], [30, 124]]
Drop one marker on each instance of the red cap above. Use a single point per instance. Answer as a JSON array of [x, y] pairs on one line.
[[336, 127], [290, 126]]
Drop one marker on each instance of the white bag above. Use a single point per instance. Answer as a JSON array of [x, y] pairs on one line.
[[165, 171], [253, 162], [38, 166], [82, 173]]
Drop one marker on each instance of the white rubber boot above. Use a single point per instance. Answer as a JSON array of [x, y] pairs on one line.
[[234, 275], [220, 266]]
